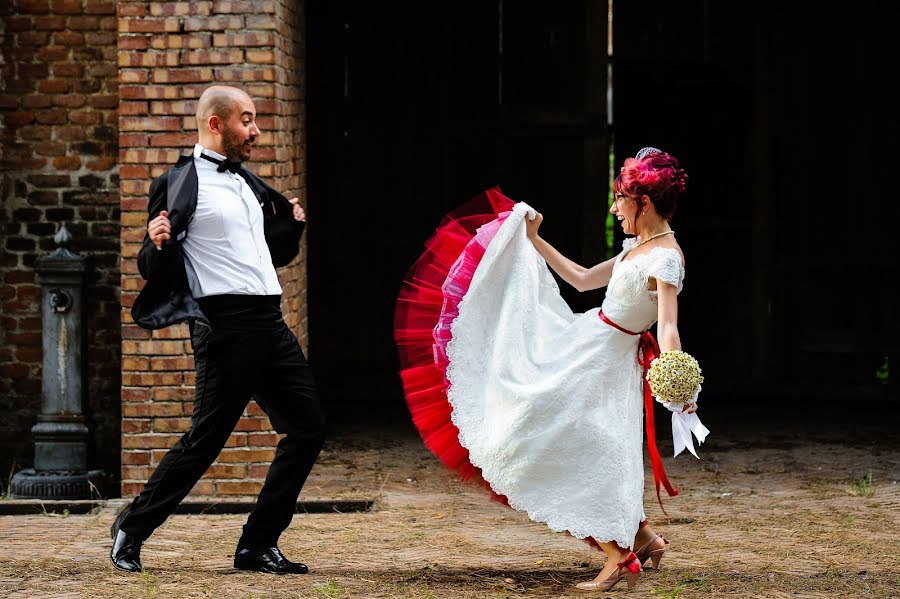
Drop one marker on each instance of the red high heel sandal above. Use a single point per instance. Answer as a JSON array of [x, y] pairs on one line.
[[629, 569], [653, 550]]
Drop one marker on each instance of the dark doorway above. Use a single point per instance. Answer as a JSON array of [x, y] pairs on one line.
[[411, 112], [784, 116], [785, 120]]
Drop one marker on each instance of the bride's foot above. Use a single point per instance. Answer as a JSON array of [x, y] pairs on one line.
[[652, 550], [628, 568]]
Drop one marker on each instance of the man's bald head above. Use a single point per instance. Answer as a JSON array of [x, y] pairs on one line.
[[220, 101], [226, 121]]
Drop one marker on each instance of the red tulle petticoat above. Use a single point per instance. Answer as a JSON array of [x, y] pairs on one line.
[[426, 307]]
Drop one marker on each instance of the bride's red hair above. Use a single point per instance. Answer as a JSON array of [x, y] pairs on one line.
[[657, 175]]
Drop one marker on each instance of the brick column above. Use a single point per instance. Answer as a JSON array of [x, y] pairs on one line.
[[168, 53], [58, 163]]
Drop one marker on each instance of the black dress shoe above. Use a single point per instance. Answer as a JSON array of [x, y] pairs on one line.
[[126, 549], [267, 559]]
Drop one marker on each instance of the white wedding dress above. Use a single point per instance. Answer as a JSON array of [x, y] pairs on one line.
[[549, 403]]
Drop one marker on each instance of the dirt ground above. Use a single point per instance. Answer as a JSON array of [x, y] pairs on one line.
[[769, 514]]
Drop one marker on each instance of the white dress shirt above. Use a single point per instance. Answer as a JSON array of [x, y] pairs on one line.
[[225, 248]]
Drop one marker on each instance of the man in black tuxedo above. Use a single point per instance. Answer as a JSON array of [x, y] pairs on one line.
[[215, 234]]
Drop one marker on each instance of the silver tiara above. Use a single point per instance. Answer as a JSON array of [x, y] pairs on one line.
[[645, 151]]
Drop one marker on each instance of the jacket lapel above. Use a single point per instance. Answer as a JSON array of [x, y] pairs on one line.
[[182, 195]]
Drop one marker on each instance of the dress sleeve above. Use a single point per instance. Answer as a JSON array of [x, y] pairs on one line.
[[666, 267]]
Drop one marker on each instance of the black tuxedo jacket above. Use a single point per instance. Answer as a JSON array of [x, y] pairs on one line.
[[166, 298]]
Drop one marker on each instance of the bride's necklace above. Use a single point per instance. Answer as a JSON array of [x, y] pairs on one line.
[[670, 232]]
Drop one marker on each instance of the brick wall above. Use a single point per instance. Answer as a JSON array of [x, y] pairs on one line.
[[168, 52], [58, 154]]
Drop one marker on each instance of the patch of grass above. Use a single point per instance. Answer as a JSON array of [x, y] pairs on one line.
[[328, 589], [676, 591], [862, 487], [150, 582]]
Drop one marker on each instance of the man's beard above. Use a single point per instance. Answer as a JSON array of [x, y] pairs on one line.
[[234, 147]]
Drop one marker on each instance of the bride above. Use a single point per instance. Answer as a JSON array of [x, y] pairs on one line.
[[503, 378]]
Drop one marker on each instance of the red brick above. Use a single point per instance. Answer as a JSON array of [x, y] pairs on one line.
[[169, 41], [17, 23], [174, 394], [203, 488], [226, 471], [224, 74], [166, 348], [173, 108], [133, 425], [104, 163], [100, 7], [149, 59], [36, 101], [213, 23], [132, 42], [17, 119], [67, 163], [132, 76], [131, 489], [260, 56], [70, 7], [148, 25], [243, 6], [179, 9], [245, 487], [53, 86], [53, 53], [180, 76], [154, 123], [173, 139], [68, 38], [85, 117], [102, 101], [147, 92], [50, 23], [131, 9], [70, 100], [134, 172], [244, 40], [262, 439], [135, 458], [68, 69], [149, 441], [171, 425], [32, 38], [258, 471], [89, 24], [246, 456], [261, 22]]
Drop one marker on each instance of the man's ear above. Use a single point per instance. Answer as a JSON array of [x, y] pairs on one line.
[[214, 123]]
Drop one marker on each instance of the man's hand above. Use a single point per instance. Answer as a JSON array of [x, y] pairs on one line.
[[299, 214], [159, 229]]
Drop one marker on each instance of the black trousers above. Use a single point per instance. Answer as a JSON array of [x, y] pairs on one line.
[[246, 351]]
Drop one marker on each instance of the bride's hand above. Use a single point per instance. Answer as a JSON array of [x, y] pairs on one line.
[[532, 226], [690, 408]]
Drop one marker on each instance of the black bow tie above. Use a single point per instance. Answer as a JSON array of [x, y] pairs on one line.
[[224, 165]]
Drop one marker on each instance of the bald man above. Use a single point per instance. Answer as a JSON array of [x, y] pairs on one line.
[[215, 234]]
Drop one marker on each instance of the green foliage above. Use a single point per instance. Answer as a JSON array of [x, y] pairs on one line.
[[863, 487]]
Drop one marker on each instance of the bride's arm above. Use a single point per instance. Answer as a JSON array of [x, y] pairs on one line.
[[667, 324], [667, 316], [576, 275]]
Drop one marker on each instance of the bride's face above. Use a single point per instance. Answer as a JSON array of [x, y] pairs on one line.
[[625, 209]]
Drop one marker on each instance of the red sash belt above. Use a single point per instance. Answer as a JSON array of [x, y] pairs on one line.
[[648, 350]]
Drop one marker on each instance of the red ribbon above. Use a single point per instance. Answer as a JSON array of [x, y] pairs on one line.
[[648, 350], [630, 563]]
